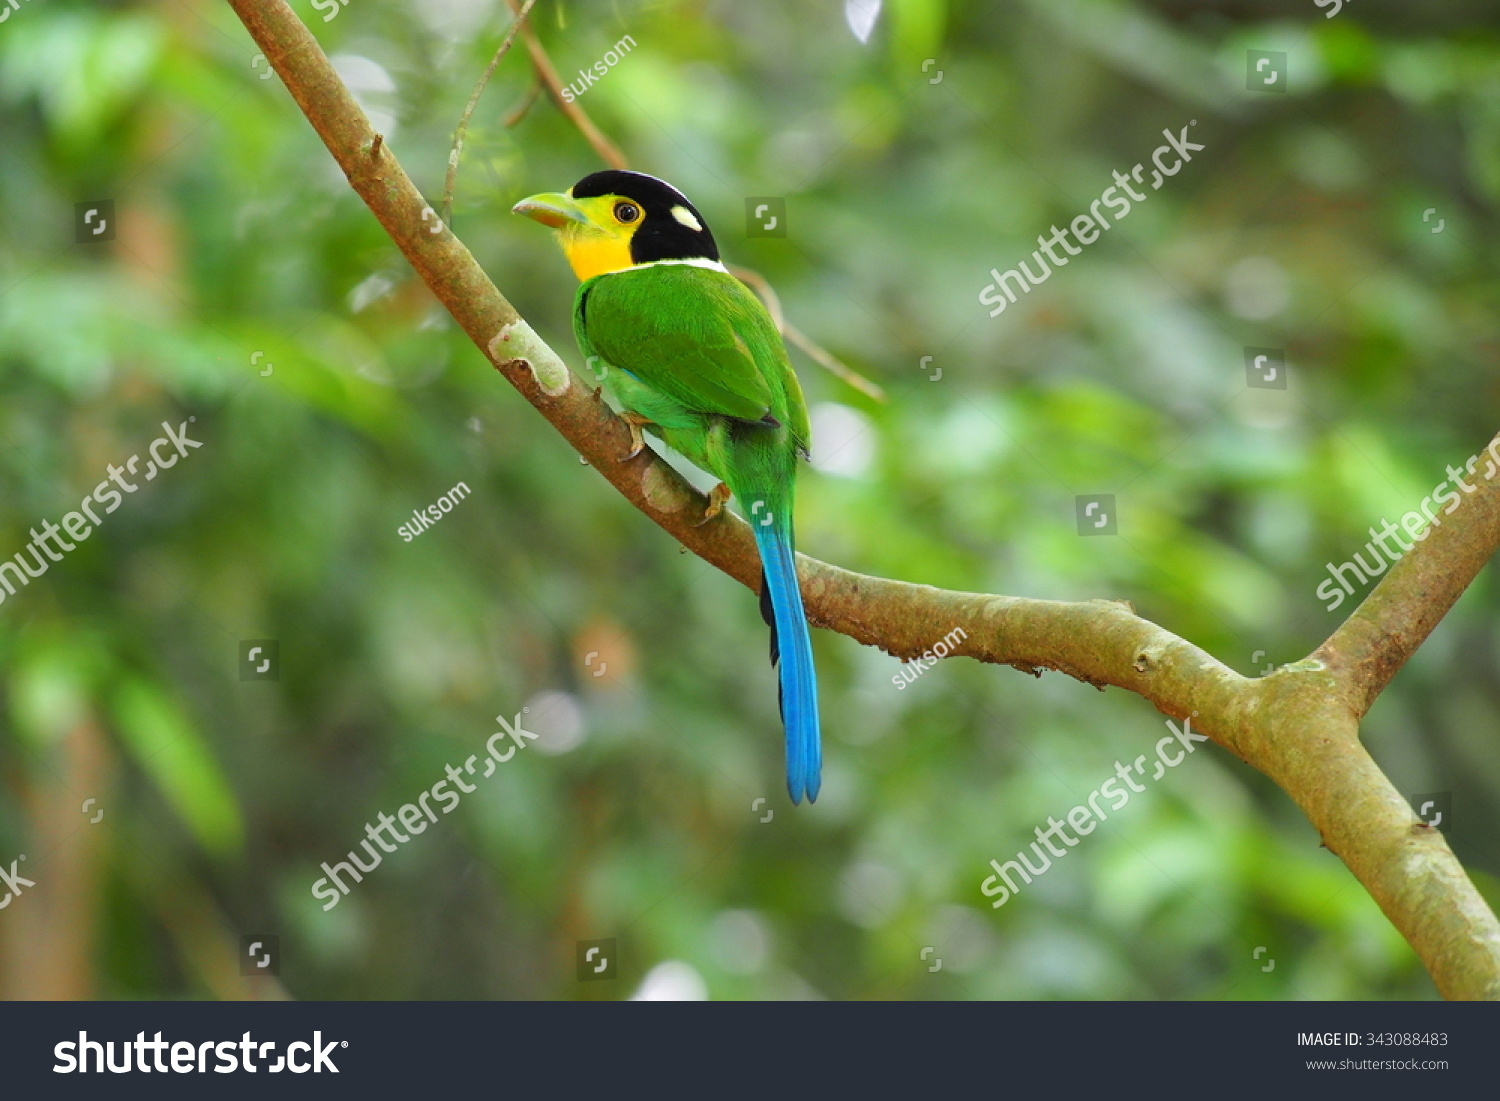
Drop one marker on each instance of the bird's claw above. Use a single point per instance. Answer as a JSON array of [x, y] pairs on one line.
[[717, 498], [634, 421]]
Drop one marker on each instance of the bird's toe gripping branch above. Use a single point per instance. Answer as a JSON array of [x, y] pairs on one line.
[[718, 497], [634, 421]]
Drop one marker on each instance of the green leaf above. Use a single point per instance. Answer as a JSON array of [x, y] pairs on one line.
[[169, 750]]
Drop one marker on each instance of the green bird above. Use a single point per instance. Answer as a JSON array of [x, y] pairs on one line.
[[695, 359]]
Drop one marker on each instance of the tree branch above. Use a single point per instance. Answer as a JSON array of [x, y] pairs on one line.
[[1299, 725], [1412, 599]]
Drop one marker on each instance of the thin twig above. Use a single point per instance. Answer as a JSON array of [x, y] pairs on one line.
[[463, 123], [608, 151], [815, 351], [761, 286], [525, 105], [832, 364]]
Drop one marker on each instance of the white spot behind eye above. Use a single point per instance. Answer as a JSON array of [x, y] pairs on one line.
[[685, 216]]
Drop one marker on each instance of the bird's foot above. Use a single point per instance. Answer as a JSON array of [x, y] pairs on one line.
[[634, 421], [718, 497]]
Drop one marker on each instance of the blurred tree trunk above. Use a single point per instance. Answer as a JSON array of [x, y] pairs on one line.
[[47, 934]]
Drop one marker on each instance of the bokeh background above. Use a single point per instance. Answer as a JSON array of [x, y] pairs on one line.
[[238, 247]]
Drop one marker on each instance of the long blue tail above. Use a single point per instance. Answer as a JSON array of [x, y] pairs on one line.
[[791, 654]]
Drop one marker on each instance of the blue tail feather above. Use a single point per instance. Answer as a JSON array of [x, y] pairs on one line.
[[791, 653]]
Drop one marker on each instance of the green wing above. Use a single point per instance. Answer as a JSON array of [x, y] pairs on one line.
[[696, 335]]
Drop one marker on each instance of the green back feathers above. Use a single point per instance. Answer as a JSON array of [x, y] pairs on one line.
[[696, 335]]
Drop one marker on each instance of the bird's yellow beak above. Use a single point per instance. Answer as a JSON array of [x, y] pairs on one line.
[[551, 209]]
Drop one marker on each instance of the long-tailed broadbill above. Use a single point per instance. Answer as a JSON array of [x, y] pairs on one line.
[[695, 359]]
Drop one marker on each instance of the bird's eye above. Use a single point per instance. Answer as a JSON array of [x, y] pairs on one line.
[[627, 212]]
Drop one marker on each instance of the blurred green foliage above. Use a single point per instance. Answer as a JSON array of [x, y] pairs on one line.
[[238, 247]]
